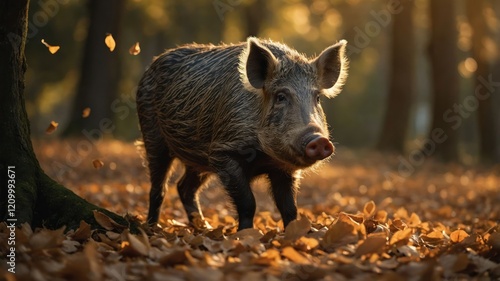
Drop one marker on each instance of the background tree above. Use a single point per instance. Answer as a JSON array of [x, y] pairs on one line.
[[40, 201], [402, 81], [487, 120], [254, 15], [445, 88], [100, 70]]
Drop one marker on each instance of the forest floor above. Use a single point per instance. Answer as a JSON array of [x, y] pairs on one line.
[[364, 216]]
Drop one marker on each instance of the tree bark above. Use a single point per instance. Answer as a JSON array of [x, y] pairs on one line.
[[39, 200], [489, 145], [402, 82], [445, 88], [100, 72], [254, 15]]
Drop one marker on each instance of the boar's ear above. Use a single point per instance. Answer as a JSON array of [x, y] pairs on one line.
[[331, 66], [257, 63]]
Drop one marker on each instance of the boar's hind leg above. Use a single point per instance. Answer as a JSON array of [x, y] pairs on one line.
[[284, 189], [188, 192], [159, 161], [237, 185]]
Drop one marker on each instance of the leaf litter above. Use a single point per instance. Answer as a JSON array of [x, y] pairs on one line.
[[355, 223]]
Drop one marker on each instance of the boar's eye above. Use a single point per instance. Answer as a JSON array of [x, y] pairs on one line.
[[280, 97]]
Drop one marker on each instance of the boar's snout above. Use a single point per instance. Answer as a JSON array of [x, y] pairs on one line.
[[319, 148]]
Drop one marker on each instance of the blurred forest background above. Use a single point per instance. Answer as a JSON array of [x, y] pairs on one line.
[[424, 75]]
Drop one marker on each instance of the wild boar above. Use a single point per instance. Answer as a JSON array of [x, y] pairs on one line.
[[237, 111]]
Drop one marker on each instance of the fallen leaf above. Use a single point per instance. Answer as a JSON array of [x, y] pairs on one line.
[[458, 235], [135, 246], [46, 239], [52, 49], [371, 245], [82, 233], [291, 254], [110, 42], [52, 127], [400, 236], [342, 232], [106, 222], [135, 49], [369, 209], [297, 228]]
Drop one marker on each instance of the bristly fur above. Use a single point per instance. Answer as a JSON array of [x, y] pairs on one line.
[[215, 109]]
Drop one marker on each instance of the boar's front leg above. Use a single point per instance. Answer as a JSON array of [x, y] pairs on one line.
[[284, 190], [237, 185]]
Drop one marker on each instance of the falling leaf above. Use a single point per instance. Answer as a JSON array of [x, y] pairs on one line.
[[110, 42], [52, 127], [458, 235], [135, 49], [86, 112], [52, 49], [97, 163], [297, 228]]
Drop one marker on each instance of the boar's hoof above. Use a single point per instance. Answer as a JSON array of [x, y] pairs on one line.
[[319, 148]]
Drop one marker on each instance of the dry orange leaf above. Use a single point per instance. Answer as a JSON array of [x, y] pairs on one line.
[[52, 49], [52, 127], [458, 235], [400, 236], [297, 228], [135, 49], [414, 220], [372, 245], [86, 112], [97, 163], [369, 209], [291, 254], [342, 232], [110, 42]]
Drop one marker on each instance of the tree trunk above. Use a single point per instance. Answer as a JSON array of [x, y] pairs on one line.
[[100, 72], [487, 121], [402, 82], [445, 88], [254, 15], [39, 200]]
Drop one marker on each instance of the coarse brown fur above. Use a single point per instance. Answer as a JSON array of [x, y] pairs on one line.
[[197, 103]]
